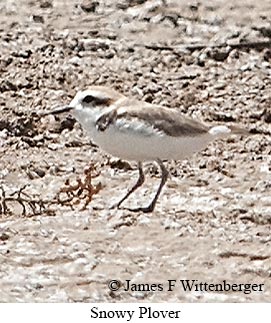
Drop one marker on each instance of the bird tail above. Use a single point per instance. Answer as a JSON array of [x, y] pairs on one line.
[[222, 130]]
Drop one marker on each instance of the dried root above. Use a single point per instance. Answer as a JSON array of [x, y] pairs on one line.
[[25, 204], [82, 190], [21, 202]]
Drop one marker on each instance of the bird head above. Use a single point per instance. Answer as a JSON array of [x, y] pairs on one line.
[[93, 98]]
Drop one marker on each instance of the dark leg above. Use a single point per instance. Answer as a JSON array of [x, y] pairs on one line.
[[139, 182], [164, 177]]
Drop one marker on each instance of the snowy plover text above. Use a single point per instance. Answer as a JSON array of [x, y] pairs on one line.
[[140, 131]]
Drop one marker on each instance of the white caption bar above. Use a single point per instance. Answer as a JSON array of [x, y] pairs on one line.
[[134, 312]]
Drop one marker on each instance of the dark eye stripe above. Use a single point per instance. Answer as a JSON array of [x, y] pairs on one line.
[[88, 99], [96, 100]]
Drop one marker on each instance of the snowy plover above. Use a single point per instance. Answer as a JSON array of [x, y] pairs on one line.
[[136, 130]]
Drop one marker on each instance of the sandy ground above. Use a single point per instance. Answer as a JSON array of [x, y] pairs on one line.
[[213, 220]]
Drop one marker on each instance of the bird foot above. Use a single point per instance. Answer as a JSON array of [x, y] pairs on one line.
[[114, 206], [147, 209]]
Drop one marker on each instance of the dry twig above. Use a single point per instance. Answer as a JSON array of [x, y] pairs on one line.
[[32, 205], [81, 190]]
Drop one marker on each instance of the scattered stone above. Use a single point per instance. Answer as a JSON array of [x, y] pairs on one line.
[[75, 60], [119, 164], [45, 4], [67, 123], [89, 5], [22, 53], [267, 54], [38, 19], [94, 44], [219, 54], [40, 172], [222, 116], [7, 85], [267, 116], [4, 236]]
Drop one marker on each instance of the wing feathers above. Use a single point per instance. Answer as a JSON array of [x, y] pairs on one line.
[[150, 119]]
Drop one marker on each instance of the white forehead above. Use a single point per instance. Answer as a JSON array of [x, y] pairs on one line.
[[95, 93], [98, 92]]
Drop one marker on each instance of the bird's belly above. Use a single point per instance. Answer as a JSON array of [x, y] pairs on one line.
[[134, 146]]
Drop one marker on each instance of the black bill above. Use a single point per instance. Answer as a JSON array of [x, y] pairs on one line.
[[56, 111]]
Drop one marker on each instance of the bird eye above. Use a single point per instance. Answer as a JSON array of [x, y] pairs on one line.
[[96, 100], [88, 99]]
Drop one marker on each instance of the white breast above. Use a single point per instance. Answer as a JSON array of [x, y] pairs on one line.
[[132, 141], [142, 148]]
